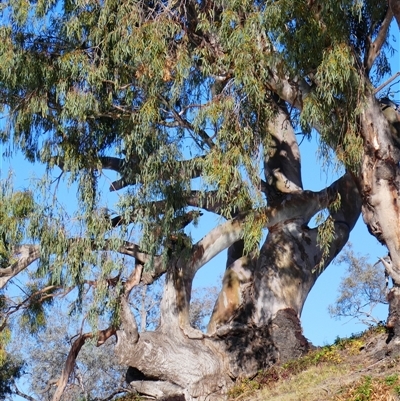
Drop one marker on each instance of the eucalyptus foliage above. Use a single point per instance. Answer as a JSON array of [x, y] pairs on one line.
[[158, 82], [178, 98]]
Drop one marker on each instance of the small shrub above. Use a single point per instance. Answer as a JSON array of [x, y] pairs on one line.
[[392, 379]]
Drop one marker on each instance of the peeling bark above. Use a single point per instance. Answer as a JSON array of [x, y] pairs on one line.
[[379, 184]]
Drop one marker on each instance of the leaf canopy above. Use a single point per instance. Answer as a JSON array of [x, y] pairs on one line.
[[176, 97]]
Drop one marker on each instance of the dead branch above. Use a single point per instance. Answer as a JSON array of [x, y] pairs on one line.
[[102, 336]]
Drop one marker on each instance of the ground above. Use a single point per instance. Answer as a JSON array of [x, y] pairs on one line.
[[364, 367]]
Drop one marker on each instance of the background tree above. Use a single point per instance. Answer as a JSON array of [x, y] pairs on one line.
[[189, 103], [361, 290], [10, 367], [96, 374]]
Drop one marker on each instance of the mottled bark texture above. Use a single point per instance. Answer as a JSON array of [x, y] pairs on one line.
[[255, 322], [379, 183]]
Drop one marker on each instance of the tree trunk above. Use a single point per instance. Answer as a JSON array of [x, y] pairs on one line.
[[167, 363], [379, 185], [255, 322], [256, 319]]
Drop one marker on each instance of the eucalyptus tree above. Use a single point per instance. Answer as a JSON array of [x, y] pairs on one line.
[[189, 103], [361, 290]]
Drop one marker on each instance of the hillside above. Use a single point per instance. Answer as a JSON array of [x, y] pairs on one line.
[[361, 368]]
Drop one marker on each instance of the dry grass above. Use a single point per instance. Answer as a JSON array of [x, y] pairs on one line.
[[372, 389], [309, 385], [356, 369]]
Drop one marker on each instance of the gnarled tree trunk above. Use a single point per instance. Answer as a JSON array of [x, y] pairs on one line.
[[255, 322]]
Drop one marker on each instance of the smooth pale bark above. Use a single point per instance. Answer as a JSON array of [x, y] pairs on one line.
[[25, 256], [379, 184]]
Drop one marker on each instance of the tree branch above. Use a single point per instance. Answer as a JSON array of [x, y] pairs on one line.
[[25, 303], [292, 92], [300, 206], [113, 394], [282, 164], [27, 255], [188, 168], [133, 279], [376, 46], [132, 249], [186, 124], [395, 8], [21, 394], [392, 78], [103, 335]]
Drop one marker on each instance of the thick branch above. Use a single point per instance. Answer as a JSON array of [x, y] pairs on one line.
[[131, 249], [350, 202], [129, 169], [300, 206], [288, 90], [387, 82], [344, 218], [188, 168], [178, 223], [130, 330], [376, 46], [133, 279], [282, 157], [112, 163], [26, 254], [29, 253], [204, 200], [237, 276]]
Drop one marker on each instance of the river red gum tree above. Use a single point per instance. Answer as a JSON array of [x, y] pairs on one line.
[[168, 94]]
